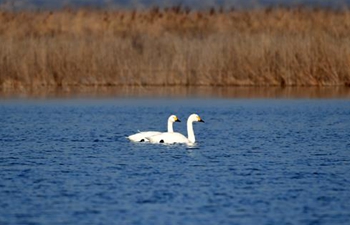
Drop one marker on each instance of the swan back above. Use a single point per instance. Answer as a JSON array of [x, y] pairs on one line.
[[142, 136]]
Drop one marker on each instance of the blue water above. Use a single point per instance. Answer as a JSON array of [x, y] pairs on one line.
[[256, 162]]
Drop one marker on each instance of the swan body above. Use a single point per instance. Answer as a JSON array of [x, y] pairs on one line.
[[142, 136], [175, 137], [168, 138]]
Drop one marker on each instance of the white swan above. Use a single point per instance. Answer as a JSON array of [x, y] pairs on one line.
[[175, 137], [142, 136]]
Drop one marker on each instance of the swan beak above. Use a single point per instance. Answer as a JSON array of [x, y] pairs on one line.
[[177, 120], [199, 119]]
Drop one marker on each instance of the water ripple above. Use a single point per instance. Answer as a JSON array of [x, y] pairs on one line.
[[256, 162]]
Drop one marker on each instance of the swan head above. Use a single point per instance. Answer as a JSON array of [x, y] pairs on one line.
[[195, 118], [174, 118]]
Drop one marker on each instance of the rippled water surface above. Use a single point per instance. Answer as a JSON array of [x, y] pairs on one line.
[[256, 162]]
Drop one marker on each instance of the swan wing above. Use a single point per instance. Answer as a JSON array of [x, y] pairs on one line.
[[142, 136]]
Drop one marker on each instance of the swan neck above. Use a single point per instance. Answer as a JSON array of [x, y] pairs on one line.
[[190, 131], [170, 126]]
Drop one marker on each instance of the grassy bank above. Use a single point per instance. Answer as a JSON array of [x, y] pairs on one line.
[[267, 47]]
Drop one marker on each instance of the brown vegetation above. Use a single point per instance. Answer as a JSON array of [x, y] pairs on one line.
[[85, 47]]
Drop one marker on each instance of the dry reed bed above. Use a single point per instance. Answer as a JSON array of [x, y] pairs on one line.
[[269, 47]]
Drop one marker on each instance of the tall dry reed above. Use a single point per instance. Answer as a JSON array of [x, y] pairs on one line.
[[267, 47]]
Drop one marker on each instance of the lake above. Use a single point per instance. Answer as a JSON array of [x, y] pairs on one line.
[[256, 161]]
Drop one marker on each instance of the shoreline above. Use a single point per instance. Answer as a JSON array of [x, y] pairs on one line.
[[338, 92]]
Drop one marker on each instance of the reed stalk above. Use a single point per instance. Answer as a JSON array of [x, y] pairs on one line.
[[174, 47]]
